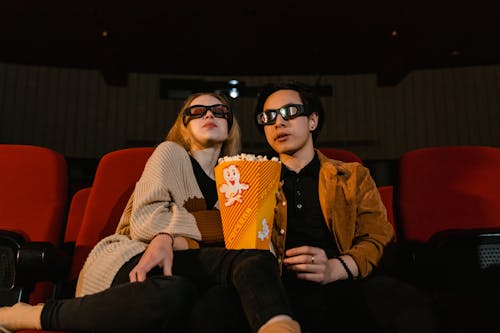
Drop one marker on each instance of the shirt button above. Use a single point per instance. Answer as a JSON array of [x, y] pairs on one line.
[[299, 206], [279, 260], [282, 231]]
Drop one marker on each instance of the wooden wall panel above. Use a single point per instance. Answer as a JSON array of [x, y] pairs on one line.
[[76, 113]]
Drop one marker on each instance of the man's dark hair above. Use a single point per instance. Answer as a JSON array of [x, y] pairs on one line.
[[311, 101]]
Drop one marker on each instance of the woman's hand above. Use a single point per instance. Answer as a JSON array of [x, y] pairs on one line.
[[312, 264], [160, 252]]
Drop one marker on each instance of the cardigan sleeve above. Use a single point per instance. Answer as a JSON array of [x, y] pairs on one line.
[[161, 193]]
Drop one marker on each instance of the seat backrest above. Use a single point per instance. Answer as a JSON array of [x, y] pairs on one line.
[[386, 193], [75, 214], [446, 188], [33, 202], [114, 181], [33, 192], [340, 154]]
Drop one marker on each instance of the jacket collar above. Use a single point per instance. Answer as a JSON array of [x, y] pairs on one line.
[[334, 167]]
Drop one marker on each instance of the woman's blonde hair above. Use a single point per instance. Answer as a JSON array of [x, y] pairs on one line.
[[179, 133]]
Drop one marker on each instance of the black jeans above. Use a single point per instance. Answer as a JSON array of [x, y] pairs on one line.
[[164, 304], [375, 304]]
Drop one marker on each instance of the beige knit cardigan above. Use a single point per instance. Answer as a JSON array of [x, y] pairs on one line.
[[166, 198]]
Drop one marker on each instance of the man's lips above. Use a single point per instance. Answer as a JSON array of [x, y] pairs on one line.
[[281, 137]]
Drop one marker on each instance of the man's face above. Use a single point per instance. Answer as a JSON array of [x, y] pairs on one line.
[[293, 135]]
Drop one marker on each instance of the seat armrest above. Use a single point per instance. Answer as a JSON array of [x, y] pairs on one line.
[[410, 261], [463, 256], [24, 263], [41, 261]]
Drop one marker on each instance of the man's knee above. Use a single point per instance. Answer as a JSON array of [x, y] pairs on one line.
[[255, 260], [218, 310]]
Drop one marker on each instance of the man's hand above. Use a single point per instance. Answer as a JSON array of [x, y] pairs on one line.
[[160, 252], [312, 264]]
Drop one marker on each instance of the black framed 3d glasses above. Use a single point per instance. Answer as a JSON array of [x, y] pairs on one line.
[[199, 111], [289, 111]]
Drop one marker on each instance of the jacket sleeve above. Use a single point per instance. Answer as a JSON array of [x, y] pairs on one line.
[[372, 231]]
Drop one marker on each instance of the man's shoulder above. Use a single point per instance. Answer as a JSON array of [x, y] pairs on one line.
[[341, 168]]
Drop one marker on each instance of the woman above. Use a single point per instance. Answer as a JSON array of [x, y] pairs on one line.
[[147, 276]]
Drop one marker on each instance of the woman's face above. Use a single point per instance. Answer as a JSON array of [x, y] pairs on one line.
[[207, 131]]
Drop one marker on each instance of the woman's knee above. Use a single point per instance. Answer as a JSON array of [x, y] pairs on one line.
[[173, 294]]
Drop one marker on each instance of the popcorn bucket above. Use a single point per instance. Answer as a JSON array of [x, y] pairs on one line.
[[247, 197]]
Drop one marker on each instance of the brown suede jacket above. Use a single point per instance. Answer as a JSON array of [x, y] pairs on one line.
[[353, 211]]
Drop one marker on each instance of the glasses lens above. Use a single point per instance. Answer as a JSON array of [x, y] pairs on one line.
[[291, 111], [267, 117], [220, 110], [197, 111]]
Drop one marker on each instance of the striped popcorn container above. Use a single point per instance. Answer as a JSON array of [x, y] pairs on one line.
[[246, 188]]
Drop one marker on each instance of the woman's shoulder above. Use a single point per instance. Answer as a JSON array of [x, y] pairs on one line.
[[169, 151], [170, 147], [167, 156]]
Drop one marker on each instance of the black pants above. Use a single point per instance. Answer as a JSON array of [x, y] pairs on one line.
[[164, 304], [375, 304]]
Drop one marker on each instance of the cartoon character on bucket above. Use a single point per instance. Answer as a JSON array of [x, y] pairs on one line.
[[232, 189]]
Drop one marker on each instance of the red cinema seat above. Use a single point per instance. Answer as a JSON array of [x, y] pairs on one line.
[[33, 200], [340, 154], [114, 181], [96, 211], [387, 193], [448, 188], [448, 211], [75, 214]]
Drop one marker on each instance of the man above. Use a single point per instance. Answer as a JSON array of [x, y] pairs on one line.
[[331, 228], [329, 235]]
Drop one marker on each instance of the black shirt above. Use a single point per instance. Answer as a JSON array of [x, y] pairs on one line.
[[206, 184], [305, 221]]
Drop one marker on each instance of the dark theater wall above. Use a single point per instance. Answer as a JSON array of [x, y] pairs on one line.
[[76, 113]]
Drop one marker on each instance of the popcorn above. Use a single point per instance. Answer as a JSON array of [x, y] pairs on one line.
[[246, 157], [246, 187]]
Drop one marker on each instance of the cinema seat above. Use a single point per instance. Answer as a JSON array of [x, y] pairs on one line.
[[114, 181], [75, 215], [448, 199], [340, 154], [33, 195], [96, 211], [387, 194]]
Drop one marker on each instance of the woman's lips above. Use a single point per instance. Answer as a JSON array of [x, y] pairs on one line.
[[209, 125]]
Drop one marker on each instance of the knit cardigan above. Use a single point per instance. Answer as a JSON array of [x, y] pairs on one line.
[[166, 198]]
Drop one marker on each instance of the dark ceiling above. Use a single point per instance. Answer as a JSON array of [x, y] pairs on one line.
[[254, 37]]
